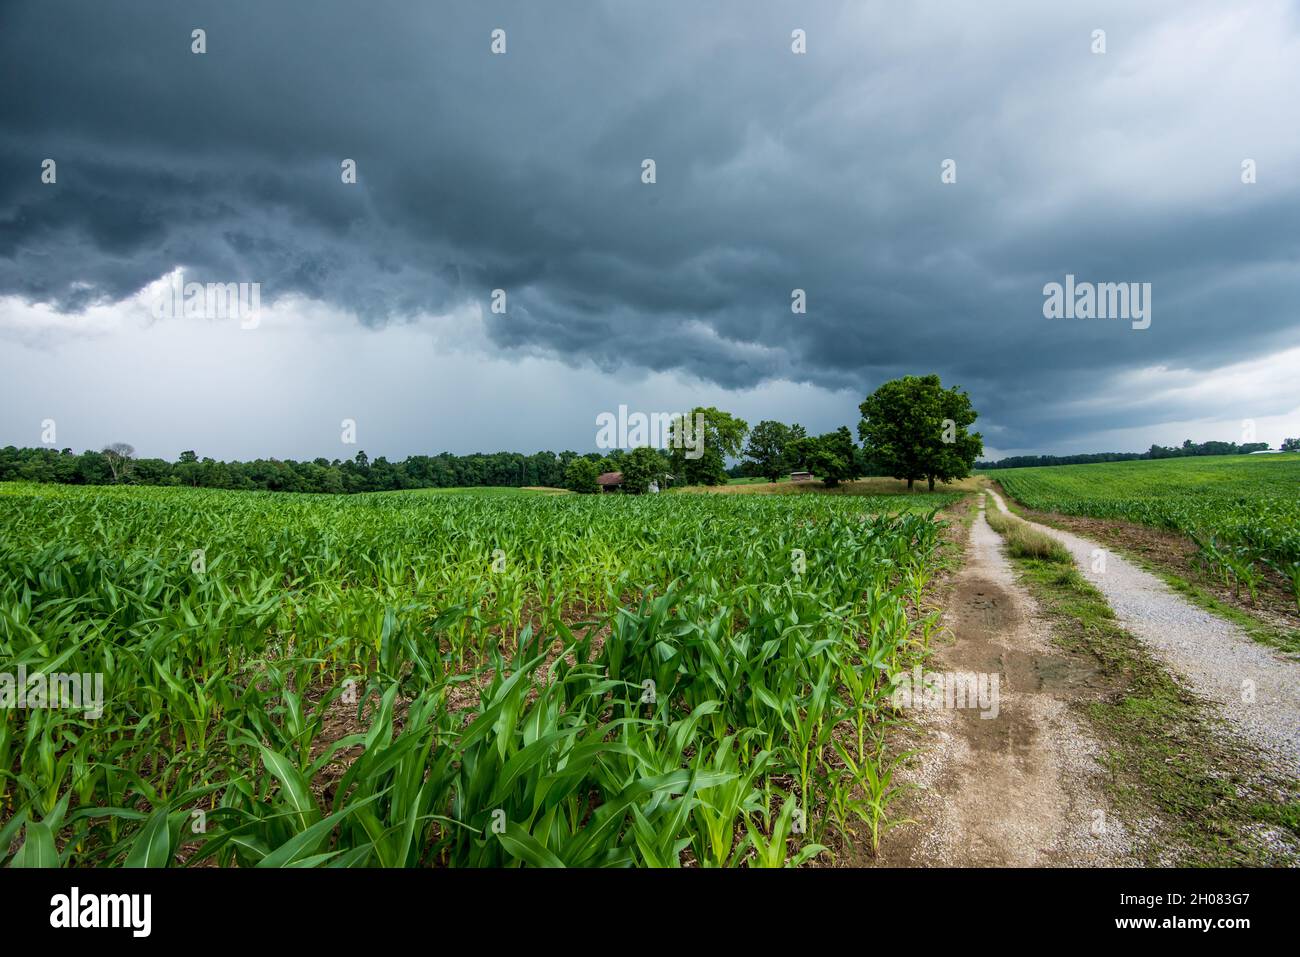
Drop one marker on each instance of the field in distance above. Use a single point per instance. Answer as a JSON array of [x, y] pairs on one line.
[[866, 486], [488, 490], [1242, 511]]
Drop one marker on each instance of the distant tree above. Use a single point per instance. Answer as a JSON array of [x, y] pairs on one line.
[[862, 465], [36, 469], [152, 472], [642, 467], [769, 447], [904, 431], [118, 456], [1291, 445], [701, 459], [187, 470], [1155, 452], [92, 469], [331, 482], [830, 457], [383, 476], [799, 452], [581, 476]]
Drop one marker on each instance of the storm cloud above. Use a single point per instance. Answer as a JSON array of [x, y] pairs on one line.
[[775, 171]]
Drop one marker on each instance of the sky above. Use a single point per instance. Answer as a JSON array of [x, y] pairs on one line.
[[922, 172]]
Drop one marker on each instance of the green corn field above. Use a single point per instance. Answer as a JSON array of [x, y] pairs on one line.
[[1243, 511], [406, 680]]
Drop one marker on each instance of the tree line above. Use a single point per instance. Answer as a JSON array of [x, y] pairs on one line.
[[1155, 452], [356, 474], [910, 428]]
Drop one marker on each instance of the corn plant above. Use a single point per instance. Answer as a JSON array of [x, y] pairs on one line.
[[405, 680], [1241, 511]]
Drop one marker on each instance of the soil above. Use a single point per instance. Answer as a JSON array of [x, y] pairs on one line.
[[1024, 788]]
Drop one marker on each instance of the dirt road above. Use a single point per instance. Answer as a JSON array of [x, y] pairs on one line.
[[1022, 788]]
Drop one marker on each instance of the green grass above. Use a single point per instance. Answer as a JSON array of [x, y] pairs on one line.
[[1025, 541], [1252, 499], [467, 679]]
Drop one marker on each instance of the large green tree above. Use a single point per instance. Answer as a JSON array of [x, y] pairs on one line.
[[700, 445], [643, 467], [771, 447], [830, 457], [581, 476], [914, 428]]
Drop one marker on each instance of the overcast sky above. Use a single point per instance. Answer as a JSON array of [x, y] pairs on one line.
[[522, 171]]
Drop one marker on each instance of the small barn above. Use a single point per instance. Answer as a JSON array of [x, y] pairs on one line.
[[610, 481], [801, 476]]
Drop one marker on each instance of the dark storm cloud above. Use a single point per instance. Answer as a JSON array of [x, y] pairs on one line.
[[775, 172]]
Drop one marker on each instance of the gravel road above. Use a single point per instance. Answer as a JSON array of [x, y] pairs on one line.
[[1257, 689]]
